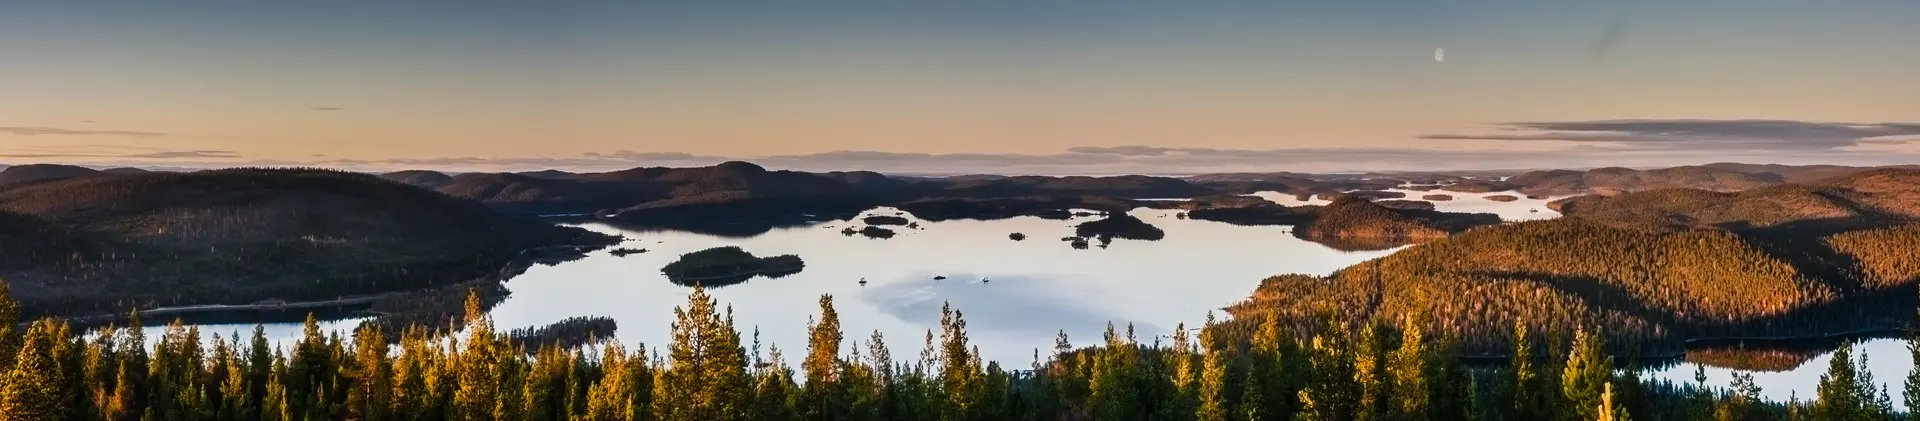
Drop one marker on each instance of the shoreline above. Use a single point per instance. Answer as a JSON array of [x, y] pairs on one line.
[[516, 265]]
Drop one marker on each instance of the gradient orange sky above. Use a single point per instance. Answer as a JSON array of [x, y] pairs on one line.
[[527, 85]]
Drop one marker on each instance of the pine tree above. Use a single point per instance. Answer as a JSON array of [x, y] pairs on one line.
[[371, 396], [774, 389], [31, 389], [1370, 372], [1607, 411], [1839, 394], [1119, 386], [9, 316], [1333, 393], [1521, 394], [1742, 403], [706, 378], [1911, 395], [479, 377], [1587, 373], [824, 390], [1266, 365], [1213, 373], [960, 377], [1410, 373]]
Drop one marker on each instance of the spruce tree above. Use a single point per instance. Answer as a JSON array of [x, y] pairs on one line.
[[960, 376], [1521, 396], [1410, 372], [705, 378], [774, 390], [824, 390], [1839, 394], [9, 316], [1607, 411], [31, 389], [1212, 402], [1587, 373], [479, 379], [1911, 395]]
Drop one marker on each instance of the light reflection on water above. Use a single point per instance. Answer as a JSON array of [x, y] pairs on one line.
[[1037, 286], [1887, 359]]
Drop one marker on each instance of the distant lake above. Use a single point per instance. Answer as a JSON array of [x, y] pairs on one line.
[[1037, 287]]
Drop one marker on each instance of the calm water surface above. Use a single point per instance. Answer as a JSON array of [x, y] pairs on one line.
[[1015, 295]]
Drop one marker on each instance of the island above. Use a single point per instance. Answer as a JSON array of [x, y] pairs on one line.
[[1437, 197], [1353, 218], [885, 220], [1119, 225], [728, 265]]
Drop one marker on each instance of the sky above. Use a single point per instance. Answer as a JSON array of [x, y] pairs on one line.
[[987, 86]]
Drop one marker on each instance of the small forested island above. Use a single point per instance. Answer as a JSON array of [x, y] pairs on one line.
[[1437, 197], [1351, 218], [1503, 198], [728, 265], [869, 232], [1363, 194], [1119, 225], [885, 220], [573, 332], [1017, 236], [1405, 204]]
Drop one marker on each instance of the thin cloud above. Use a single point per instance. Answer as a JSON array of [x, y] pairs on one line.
[[1128, 150], [185, 154], [1700, 134], [326, 109], [55, 131], [145, 155]]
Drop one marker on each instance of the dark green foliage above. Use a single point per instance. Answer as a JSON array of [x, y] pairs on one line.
[[103, 244], [1119, 225], [728, 265]]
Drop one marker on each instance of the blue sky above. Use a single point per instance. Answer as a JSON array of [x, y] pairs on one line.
[[1049, 86]]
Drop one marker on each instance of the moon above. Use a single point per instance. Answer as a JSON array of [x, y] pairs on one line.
[[1440, 54]]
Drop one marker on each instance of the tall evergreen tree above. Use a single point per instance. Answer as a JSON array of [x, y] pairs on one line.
[[706, 377], [9, 316], [774, 391], [824, 391], [1839, 393], [1911, 394], [30, 392], [1410, 372], [1522, 394], [1607, 411], [960, 375], [1587, 373], [479, 378]]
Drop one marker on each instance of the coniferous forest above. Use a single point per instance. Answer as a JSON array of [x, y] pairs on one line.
[[710, 370]]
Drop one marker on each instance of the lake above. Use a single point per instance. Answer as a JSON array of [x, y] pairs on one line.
[[1015, 295]]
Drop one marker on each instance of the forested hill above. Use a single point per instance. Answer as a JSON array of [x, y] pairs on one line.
[[107, 243], [1652, 269]]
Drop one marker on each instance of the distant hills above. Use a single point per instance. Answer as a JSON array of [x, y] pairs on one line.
[[107, 242], [1651, 268]]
